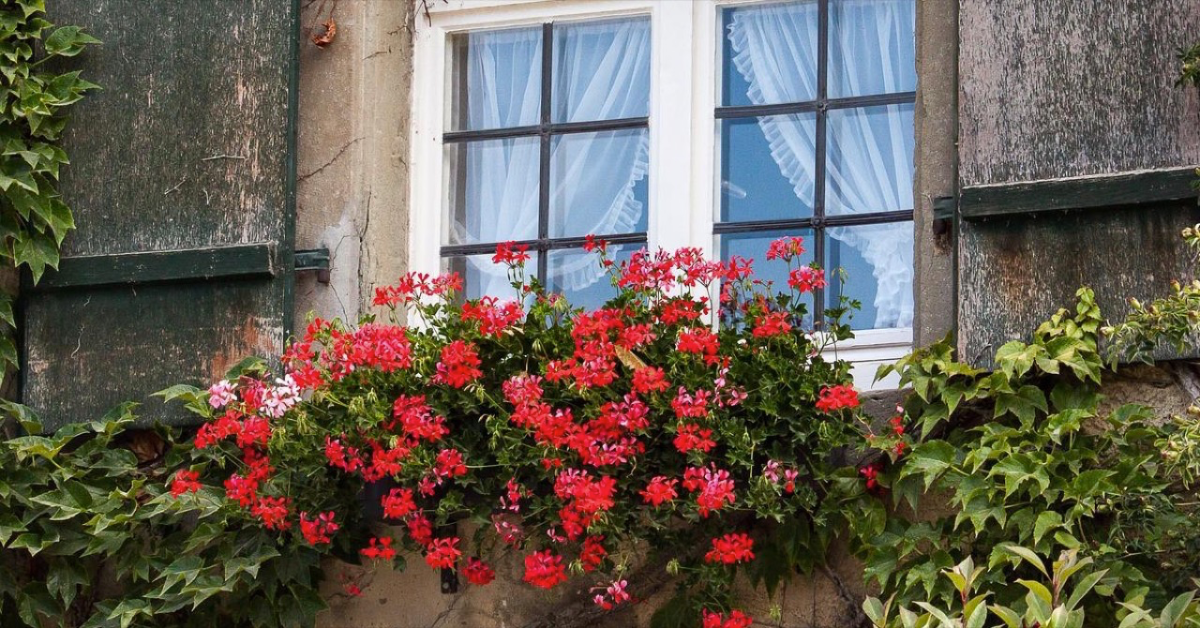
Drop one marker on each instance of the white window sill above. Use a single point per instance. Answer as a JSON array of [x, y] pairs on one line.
[[870, 349]]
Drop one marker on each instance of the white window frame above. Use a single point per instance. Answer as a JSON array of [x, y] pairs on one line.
[[682, 126]]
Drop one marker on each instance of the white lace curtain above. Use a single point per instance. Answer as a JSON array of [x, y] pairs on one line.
[[602, 72], [869, 161]]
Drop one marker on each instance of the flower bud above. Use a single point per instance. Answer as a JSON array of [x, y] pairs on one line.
[[673, 567]]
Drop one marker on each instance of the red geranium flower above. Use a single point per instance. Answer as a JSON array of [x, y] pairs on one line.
[[318, 530], [478, 572], [731, 549], [837, 398], [544, 569], [443, 553], [398, 503], [185, 482], [660, 490], [380, 548]]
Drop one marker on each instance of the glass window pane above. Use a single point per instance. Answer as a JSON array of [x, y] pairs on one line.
[[598, 183], [601, 70], [769, 54], [482, 278], [766, 167], [492, 190], [754, 245], [878, 264], [577, 275], [497, 79], [871, 47], [870, 160]]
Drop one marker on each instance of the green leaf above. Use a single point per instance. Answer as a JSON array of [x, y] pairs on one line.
[[938, 614], [37, 251], [1022, 404], [1173, 612], [1037, 589], [1084, 587], [930, 459], [29, 420], [1027, 555], [1010, 618], [181, 391], [9, 525], [184, 569], [68, 41], [873, 608], [246, 366], [1016, 358], [1046, 521], [130, 609]]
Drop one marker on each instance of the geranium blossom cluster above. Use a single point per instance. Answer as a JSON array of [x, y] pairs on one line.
[[568, 434]]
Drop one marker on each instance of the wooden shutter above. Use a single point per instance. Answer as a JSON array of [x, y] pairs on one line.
[[182, 182], [1076, 156]]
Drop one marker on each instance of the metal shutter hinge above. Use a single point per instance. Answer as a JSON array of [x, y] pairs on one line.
[[314, 259]]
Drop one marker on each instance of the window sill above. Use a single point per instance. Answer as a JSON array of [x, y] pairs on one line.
[[869, 350]]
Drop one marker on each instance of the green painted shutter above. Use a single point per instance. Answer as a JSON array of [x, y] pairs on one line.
[[1076, 156], [182, 182]]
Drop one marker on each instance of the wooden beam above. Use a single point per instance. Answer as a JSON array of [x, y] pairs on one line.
[[1087, 192], [248, 260]]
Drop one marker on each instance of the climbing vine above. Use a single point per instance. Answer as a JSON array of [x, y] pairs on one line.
[[35, 92]]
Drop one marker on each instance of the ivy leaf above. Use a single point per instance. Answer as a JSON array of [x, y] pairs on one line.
[[64, 579], [1018, 469], [130, 609], [1022, 404], [37, 251], [1016, 358], [930, 459], [9, 525], [1089, 484], [1046, 521], [185, 569], [68, 41]]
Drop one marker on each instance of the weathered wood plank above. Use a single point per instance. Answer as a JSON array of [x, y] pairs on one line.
[[1066, 105], [188, 147], [1017, 271], [1129, 188], [1074, 87], [248, 260], [92, 349]]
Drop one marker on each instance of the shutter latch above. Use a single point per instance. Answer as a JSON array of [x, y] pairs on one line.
[[314, 259]]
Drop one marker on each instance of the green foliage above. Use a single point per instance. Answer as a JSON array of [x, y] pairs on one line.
[[89, 536], [1053, 599], [1169, 321], [33, 99], [1027, 456], [1189, 67]]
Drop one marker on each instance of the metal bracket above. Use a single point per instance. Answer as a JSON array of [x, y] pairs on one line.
[[314, 259], [943, 214], [449, 581]]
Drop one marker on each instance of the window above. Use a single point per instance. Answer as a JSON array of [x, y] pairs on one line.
[[719, 124], [547, 143], [815, 126]]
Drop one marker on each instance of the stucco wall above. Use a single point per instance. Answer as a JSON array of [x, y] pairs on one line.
[[353, 188], [352, 150]]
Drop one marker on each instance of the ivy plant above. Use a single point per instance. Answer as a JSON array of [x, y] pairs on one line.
[[90, 536], [1025, 455], [34, 96]]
